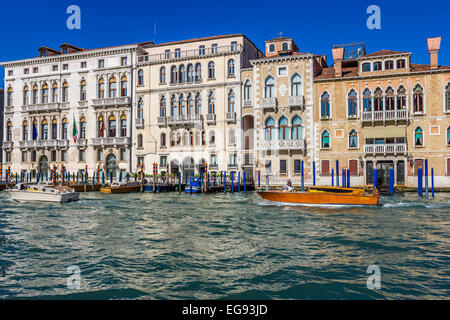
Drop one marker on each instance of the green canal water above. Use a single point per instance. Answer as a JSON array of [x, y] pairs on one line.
[[223, 246]]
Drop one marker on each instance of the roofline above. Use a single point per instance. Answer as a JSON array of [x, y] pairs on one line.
[[224, 36], [384, 55], [280, 58]]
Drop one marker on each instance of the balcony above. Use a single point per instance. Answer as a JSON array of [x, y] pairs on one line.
[[389, 115], [184, 120], [385, 149], [162, 121], [248, 103], [232, 166], [296, 102], [45, 107], [211, 118], [44, 144], [249, 159], [140, 123], [289, 145], [213, 166], [111, 102], [82, 143], [231, 116], [269, 104], [8, 145], [115, 141], [189, 54], [82, 104], [9, 109]]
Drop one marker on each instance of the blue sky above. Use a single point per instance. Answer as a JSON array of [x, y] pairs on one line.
[[315, 25]]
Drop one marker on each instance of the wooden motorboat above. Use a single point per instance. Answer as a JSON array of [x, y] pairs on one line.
[[323, 196], [43, 192], [79, 187], [121, 187]]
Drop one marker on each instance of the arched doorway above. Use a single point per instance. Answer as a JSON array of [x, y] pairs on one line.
[[43, 167], [111, 166]]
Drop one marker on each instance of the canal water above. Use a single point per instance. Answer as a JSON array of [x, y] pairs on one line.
[[223, 246]]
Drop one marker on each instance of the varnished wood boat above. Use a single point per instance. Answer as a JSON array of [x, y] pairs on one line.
[[323, 196], [80, 187], [121, 188]]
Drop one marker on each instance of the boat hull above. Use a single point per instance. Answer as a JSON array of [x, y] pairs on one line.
[[121, 189], [320, 198], [25, 196]]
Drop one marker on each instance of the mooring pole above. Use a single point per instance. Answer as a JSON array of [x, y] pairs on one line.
[[348, 178], [302, 168], [314, 173], [420, 181], [259, 180], [343, 178], [232, 181], [337, 173], [374, 178], [225, 182], [239, 181], [245, 183], [426, 178], [391, 181], [432, 182], [332, 177]]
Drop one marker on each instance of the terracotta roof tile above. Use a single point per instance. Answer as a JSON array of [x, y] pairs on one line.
[[384, 53]]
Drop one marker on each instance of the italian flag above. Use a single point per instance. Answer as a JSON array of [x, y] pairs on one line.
[[75, 131]]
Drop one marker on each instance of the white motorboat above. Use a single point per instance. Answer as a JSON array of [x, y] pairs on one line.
[[43, 192]]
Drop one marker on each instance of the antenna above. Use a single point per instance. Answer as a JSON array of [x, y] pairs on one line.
[[154, 32], [280, 34]]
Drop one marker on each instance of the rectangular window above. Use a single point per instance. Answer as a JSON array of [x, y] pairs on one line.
[[177, 53], [123, 154], [366, 67], [83, 64], [167, 53], [325, 168], [297, 166], [140, 160], [8, 156], [33, 156], [82, 155], [99, 155], [55, 67], [35, 70], [214, 48], [201, 50], [65, 66], [53, 156], [101, 63], [282, 166], [26, 71], [24, 156], [234, 46], [163, 161], [10, 73], [63, 155], [213, 159], [123, 61], [353, 167], [282, 71]]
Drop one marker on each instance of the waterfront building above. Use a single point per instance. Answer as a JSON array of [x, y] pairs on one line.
[[382, 111], [278, 103], [189, 108], [71, 107], [1, 122]]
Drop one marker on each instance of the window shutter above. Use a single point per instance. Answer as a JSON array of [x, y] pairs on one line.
[[448, 166], [418, 163], [325, 167], [353, 164]]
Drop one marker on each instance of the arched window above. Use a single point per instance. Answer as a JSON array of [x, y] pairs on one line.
[[123, 87], [367, 100], [185, 138], [173, 74], [378, 100], [285, 46], [269, 88], [231, 137], [112, 87], [353, 139], [83, 90], [65, 129], [418, 99], [198, 104], [325, 140], [297, 130], [401, 98], [140, 141], [101, 88], [65, 92], [366, 67], [272, 48], [26, 96], [25, 131], [44, 130], [9, 97], [9, 127], [140, 108], [182, 103], [377, 66], [55, 92], [181, 74], [352, 104], [390, 100], [230, 67], [190, 103], [231, 101], [163, 139], [418, 137], [283, 130], [388, 65], [325, 105], [123, 126], [448, 136], [101, 127], [34, 135], [211, 103], [83, 128], [211, 70], [296, 85], [401, 64], [247, 90], [447, 98], [140, 77], [162, 107], [197, 138], [212, 137], [112, 126], [198, 72], [173, 140], [44, 96], [270, 129], [54, 129], [173, 106], [190, 73], [35, 94], [162, 75]]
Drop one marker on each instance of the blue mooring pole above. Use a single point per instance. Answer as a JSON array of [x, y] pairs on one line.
[[343, 178], [374, 178], [245, 183], [232, 181], [432, 182], [239, 181], [259, 179], [426, 178], [337, 173], [348, 178], [225, 182], [420, 181], [314, 173], [303, 176], [332, 177], [391, 181]]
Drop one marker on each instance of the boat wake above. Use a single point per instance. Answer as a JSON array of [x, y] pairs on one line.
[[326, 206]]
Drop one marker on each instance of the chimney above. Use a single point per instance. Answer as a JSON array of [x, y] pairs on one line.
[[338, 55], [434, 44]]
